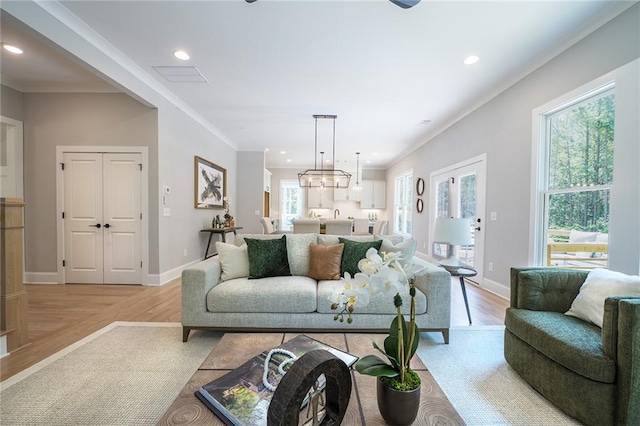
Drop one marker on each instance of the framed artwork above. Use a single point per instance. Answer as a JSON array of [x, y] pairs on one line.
[[210, 184], [420, 186]]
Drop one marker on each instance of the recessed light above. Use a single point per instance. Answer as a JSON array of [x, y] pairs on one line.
[[470, 60], [288, 160], [368, 161], [13, 49], [283, 152], [181, 54]]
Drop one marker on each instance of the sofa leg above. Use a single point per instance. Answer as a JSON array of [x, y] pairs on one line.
[[185, 333], [445, 334]]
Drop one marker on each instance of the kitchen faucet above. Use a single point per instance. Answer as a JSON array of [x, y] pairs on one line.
[[336, 211]]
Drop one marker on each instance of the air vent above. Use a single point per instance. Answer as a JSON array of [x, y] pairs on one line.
[[181, 74]]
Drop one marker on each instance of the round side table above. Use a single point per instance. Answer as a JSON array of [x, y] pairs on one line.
[[464, 273]]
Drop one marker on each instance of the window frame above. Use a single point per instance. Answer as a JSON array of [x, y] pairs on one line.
[[540, 191], [406, 205]]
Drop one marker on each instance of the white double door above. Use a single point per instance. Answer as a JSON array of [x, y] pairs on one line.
[[102, 218]]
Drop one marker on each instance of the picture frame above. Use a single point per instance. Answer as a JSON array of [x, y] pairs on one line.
[[420, 186], [210, 181]]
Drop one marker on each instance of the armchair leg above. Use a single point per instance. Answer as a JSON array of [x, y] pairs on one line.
[[445, 335], [185, 333]]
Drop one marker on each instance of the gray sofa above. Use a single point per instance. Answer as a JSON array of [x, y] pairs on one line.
[[590, 373], [297, 302]]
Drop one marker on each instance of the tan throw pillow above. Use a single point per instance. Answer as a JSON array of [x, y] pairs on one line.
[[324, 261]]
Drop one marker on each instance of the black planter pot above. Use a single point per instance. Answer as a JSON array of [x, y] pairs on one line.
[[398, 408]]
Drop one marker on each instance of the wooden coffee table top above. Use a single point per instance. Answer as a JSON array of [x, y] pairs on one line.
[[236, 348]]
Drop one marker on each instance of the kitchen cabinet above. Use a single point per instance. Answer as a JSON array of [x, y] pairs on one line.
[[374, 194], [346, 194], [319, 200]]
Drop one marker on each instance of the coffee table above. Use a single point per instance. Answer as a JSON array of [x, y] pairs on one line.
[[235, 348]]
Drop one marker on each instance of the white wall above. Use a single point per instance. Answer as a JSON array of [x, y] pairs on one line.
[[502, 128], [181, 135], [251, 188]]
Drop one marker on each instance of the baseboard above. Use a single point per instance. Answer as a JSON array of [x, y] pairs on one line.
[[41, 278], [170, 275], [496, 288]]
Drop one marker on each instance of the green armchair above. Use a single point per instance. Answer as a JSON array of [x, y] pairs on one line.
[[592, 374]]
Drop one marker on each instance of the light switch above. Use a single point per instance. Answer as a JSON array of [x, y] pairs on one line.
[[166, 211], [493, 216]]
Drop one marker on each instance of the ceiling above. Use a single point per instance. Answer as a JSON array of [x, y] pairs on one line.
[[394, 77]]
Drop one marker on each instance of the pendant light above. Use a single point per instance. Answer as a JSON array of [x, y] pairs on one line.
[[321, 178], [357, 187]]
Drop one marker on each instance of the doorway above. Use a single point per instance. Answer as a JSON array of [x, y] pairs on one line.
[[291, 203], [11, 154], [103, 217], [459, 191]]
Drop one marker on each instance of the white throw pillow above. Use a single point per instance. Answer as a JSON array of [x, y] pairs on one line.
[[233, 260], [600, 284]]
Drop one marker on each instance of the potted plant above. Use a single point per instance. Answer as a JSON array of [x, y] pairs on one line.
[[398, 386]]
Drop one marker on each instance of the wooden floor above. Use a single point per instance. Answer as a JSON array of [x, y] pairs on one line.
[[60, 315]]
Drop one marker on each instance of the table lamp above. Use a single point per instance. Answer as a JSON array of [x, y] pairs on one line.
[[455, 232]]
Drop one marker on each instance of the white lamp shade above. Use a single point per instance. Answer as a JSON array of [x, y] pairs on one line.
[[452, 231]]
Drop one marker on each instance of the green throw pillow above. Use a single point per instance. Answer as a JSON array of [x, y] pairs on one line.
[[267, 258], [353, 252]]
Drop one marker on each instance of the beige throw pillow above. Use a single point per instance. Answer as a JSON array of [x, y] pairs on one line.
[[324, 261], [600, 284], [234, 261]]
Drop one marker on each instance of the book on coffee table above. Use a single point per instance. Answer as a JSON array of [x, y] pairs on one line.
[[241, 397]]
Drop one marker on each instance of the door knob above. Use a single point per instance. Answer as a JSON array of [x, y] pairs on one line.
[[106, 225], [96, 226], [477, 228]]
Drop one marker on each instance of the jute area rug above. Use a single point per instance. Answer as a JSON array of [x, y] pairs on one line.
[[130, 373]]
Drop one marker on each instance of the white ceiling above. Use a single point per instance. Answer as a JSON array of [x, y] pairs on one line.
[[271, 65]]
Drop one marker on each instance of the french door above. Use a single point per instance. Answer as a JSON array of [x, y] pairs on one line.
[[459, 191], [102, 218]]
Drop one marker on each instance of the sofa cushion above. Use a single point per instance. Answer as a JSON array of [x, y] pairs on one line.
[[268, 258], [284, 295], [324, 262], [297, 249], [600, 284], [379, 304], [569, 341], [353, 252], [234, 260], [330, 240]]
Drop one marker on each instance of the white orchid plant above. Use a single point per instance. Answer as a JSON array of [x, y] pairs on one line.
[[392, 276]]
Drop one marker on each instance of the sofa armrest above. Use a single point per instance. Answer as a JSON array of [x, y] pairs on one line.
[[545, 289], [197, 280], [627, 359], [436, 286]]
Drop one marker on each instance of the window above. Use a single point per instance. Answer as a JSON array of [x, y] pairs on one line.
[[402, 203], [292, 203], [578, 173]]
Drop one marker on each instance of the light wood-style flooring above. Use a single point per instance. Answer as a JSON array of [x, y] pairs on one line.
[[60, 315]]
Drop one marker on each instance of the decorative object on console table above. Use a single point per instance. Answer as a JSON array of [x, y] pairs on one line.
[[242, 396], [455, 232], [393, 276], [228, 219], [210, 183]]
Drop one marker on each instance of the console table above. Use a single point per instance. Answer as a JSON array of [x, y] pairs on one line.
[[222, 232], [464, 273]]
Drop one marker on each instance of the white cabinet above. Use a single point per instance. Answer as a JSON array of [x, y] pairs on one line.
[[267, 180], [319, 200], [374, 194], [346, 194]]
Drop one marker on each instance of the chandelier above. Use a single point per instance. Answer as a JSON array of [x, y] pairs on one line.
[[324, 178]]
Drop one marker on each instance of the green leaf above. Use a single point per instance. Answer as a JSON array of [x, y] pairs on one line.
[[371, 365]]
